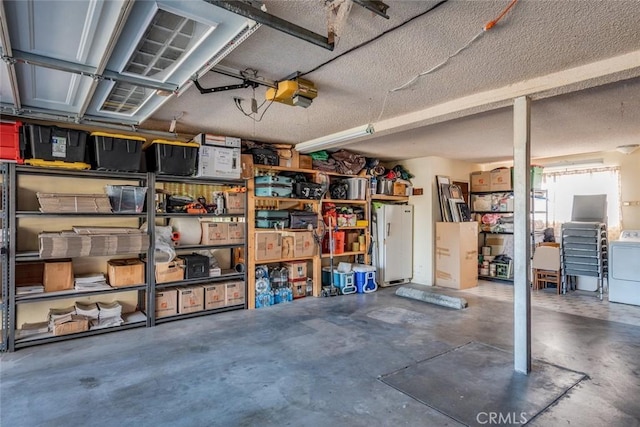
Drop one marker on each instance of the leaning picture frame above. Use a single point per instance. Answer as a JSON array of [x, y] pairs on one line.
[[442, 184]]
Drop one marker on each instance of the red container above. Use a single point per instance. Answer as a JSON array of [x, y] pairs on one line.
[[338, 243], [10, 142]]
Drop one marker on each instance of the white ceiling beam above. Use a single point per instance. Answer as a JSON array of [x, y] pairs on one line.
[[570, 80]]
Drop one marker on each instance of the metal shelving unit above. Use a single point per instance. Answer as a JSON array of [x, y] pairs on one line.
[[227, 275], [14, 216], [4, 258], [11, 217], [536, 211]]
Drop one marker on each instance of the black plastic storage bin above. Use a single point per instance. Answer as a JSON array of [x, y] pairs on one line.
[[115, 152], [195, 266], [171, 157], [53, 143]]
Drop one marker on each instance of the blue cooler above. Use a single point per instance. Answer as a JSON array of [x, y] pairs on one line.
[[365, 276], [342, 279]]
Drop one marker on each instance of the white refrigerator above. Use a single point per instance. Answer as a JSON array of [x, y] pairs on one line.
[[393, 230]]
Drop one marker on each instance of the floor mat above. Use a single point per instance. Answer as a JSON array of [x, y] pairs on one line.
[[476, 384]]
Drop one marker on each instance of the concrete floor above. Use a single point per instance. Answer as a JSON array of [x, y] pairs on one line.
[[315, 362]]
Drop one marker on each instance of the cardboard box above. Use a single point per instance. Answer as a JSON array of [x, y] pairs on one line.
[[170, 271], [500, 179], [234, 294], [457, 254], [305, 244], [218, 162], [305, 161], [399, 189], [58, 276], [268, 245], [77, 324], [166, 302], [496, 243], [125, 272], [297, 270], [285, 162], [29, 273], [298, 287], [236, 232], [234, 202], [247, 166], [215, 233], [190, 299], [214, 296], [480, 181], [218, 140], [288, 246]]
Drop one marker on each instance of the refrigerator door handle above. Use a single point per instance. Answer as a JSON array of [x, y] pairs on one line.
[[388, 228]]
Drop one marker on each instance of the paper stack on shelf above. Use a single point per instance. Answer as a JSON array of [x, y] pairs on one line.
[[136, 316], [30, 289], [60, 315], [92, 241], [110, 309], [89, 310], [90, 203], [31, 329], [110, 315], [91, 281], [63, 321]]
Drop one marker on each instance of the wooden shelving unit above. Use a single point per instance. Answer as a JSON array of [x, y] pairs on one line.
[[315, 261]]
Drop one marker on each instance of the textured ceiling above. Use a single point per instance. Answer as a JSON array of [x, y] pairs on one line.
[[535, 39]]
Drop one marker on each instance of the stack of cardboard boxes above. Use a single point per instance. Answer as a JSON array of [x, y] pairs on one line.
[[192, 299]]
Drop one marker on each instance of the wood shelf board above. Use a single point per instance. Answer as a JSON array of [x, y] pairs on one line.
[[389, 197], [344, 201], [350, 253], [283, 169], [353, 228], [285, 199], [309, 171], [274, 261]]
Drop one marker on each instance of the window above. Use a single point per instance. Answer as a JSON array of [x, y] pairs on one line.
[[563, 185]]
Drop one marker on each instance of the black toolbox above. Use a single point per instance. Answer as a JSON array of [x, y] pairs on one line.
[[307, 190], [302, 219], [195, 266], [264, 156]]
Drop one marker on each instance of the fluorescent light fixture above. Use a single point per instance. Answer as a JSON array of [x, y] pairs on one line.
[[627, 149], [334, 140], [574, 164]]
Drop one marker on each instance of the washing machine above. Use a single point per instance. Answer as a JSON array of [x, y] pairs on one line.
[[624, 268]]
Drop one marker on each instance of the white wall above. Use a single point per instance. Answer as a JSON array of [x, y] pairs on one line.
[[427, 208]]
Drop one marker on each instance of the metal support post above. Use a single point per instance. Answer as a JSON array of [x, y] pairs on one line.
[[522, 234]]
